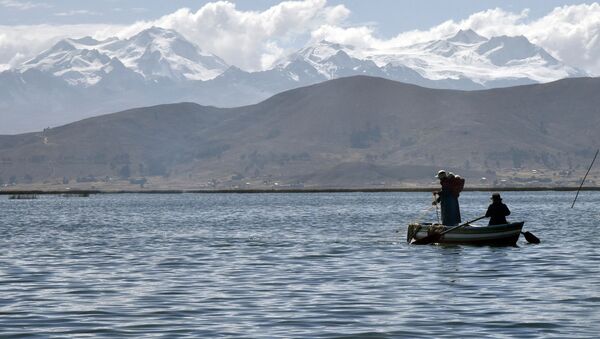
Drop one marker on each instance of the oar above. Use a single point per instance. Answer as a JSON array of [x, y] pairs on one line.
[[431, 238], [532, 239]]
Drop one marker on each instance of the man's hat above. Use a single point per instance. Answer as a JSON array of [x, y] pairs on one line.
[[496, 197], [441, 174]]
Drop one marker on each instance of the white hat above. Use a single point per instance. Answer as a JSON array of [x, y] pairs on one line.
[[441, 174]]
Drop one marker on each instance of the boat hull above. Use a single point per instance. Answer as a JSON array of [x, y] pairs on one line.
[[496, 235]]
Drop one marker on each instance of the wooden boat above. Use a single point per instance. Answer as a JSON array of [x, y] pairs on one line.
[[497, 235]]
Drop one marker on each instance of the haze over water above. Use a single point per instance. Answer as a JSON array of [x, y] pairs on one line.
[[292, 265]]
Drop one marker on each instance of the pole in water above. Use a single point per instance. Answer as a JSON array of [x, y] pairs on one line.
[[437, 213], [585, 176]]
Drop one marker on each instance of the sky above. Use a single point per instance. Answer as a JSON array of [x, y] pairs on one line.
[[253, 34]]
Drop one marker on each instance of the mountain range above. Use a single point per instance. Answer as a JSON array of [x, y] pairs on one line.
[[78, 78], [348, 132]]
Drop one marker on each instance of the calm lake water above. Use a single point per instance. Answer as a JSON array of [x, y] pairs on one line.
[[292, 265]]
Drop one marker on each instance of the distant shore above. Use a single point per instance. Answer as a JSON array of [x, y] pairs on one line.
[[294, 190]]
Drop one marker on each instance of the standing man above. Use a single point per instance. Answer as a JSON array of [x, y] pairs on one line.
[[448, 199], [497, 211]]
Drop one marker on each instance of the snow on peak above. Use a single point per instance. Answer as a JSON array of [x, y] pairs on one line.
[[464, 56], [157, 53], [321, 51], [468, 36], [467, 55], [503, 50], [154, 53], [327, 59], [77, 66], [155, 36], [86, 41]]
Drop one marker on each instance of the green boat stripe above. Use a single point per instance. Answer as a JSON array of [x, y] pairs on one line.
[[482, 230]]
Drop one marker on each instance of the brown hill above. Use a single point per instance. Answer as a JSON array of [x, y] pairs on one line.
[[357, 131]]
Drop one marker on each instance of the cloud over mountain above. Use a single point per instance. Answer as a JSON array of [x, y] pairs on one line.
[[251, 40], [254, 40], [570, 33]]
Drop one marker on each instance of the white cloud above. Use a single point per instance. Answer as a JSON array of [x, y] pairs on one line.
[[570, 33], [250, 39], [22, 5], [253, 40], [485, 23], [360, 37], [76, 12]]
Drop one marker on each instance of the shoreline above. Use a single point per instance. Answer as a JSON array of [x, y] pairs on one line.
[[295, 190]]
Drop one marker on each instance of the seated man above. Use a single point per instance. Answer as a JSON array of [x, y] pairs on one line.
[[497, 211]]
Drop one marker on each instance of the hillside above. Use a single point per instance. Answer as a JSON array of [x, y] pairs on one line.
[[348, 132]]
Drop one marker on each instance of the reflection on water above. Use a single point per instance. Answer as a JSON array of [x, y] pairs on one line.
[[291, 265]]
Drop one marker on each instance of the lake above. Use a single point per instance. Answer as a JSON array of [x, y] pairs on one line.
[[314, 265]]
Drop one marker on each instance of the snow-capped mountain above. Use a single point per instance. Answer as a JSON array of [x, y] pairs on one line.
[[154, 53], [77, 66], [78, 78], [330, 60], [467, 59]]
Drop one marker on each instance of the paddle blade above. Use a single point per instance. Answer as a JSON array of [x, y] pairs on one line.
[[532, 239]]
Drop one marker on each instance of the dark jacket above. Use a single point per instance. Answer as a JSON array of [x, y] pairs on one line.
[[453, 185], [497, 212], [449, 203]]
